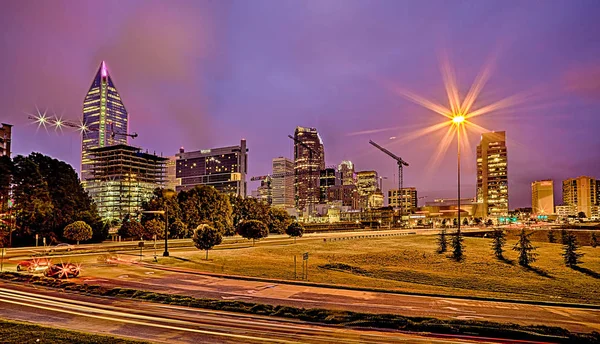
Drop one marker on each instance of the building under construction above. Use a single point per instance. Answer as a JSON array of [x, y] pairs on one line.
[[123, 177]]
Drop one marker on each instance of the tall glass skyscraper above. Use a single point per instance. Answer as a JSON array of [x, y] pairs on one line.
[[105, 116]]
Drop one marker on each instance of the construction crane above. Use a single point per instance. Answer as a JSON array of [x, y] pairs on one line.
[[283, 174], [42, 120], [401, 163]]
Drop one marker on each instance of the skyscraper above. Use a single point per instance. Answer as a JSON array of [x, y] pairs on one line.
[[492, 174], [283, 183], [406, 198], [367, 184], [224, 168], [542, 197], [105, 116], [5, 138], [308, 163], [581, 194], [346, 170], [328, 178]]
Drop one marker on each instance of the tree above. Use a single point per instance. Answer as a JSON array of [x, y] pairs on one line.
[[563, 236], [581, 215], [280, 220], [178, 229], [489, 222], [593, 240], [442, 241], [253, 229], [78, 231], [571, 247], [457, 246], [131, 228], [526, 250], [465, 222], [455, 222], [498, 241], [551, 237], [295, 230], [477, 221], [204, 204], [154, 227], [207, 237], [244, 209], [444, 222], [162, 200]]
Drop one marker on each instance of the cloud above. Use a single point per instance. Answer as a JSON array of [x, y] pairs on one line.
[[583, 80]]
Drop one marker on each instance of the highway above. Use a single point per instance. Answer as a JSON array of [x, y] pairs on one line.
[[173, 324]]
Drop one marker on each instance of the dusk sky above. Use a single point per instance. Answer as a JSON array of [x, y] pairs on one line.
[[203, 74]]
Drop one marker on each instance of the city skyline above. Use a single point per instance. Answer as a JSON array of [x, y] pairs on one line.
[[336, 89]]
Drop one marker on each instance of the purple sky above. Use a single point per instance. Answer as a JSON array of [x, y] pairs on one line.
[[206, 73]]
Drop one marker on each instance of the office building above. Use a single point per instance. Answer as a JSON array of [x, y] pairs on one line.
[[171, 181], [224, 168], [347, 195], [5, 139], [122, 177], [542, 197], [264, 192], [105, 117], [375, 200], [328, 178], [309, 160], [492, 174], [581, 194], [283, 183], [406, 198], [346, 171], [367, 183]]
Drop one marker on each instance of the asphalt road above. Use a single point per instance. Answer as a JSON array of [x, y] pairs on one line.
[[173, 324], [189, 282]]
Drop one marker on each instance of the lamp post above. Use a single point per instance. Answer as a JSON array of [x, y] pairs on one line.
[[458, 120]]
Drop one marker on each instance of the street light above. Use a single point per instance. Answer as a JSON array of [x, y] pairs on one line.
[[458, 120]]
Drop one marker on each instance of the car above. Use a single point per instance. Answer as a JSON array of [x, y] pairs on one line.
[[60, 247], [33, 265], [62, 270]]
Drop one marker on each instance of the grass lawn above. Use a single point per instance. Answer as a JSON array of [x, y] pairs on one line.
[[410, 263], [20, 332]]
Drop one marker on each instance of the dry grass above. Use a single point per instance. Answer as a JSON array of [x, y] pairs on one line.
[[411, 264]]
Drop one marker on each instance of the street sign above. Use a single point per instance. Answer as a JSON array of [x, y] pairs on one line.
[[305, 256]]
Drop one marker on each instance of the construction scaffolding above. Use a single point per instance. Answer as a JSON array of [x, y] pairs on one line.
[[123, 177]]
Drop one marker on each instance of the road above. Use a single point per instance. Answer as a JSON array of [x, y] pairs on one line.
[[190, 282], [173, 324]]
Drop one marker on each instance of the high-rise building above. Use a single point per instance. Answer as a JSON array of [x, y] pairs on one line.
[[224, 168], [105, 117], [328, 178], [308, 163], [407, 198], [5, 139], [172, 181], [122, 177], [367, 183], [346, 194], [542, 197], [283, 183], [265, 191], [492, 174], [346, 171], [581, 194]]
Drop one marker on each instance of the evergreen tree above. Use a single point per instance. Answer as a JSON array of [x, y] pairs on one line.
[[551, 237], [498, 241], [442, 241], [489, 222], [465, 222], [593, 240], [457, 246], [563, 236], [571, 255], [526, 250]]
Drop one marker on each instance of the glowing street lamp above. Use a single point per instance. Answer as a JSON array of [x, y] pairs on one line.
[[458, 120]]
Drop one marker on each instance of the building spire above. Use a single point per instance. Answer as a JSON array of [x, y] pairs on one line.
[[103, 71]]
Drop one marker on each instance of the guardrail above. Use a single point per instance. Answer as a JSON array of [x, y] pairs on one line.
[[367, 236]]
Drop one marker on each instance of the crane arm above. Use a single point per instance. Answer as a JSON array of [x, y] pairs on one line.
[[394, 156], [301, 143]]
